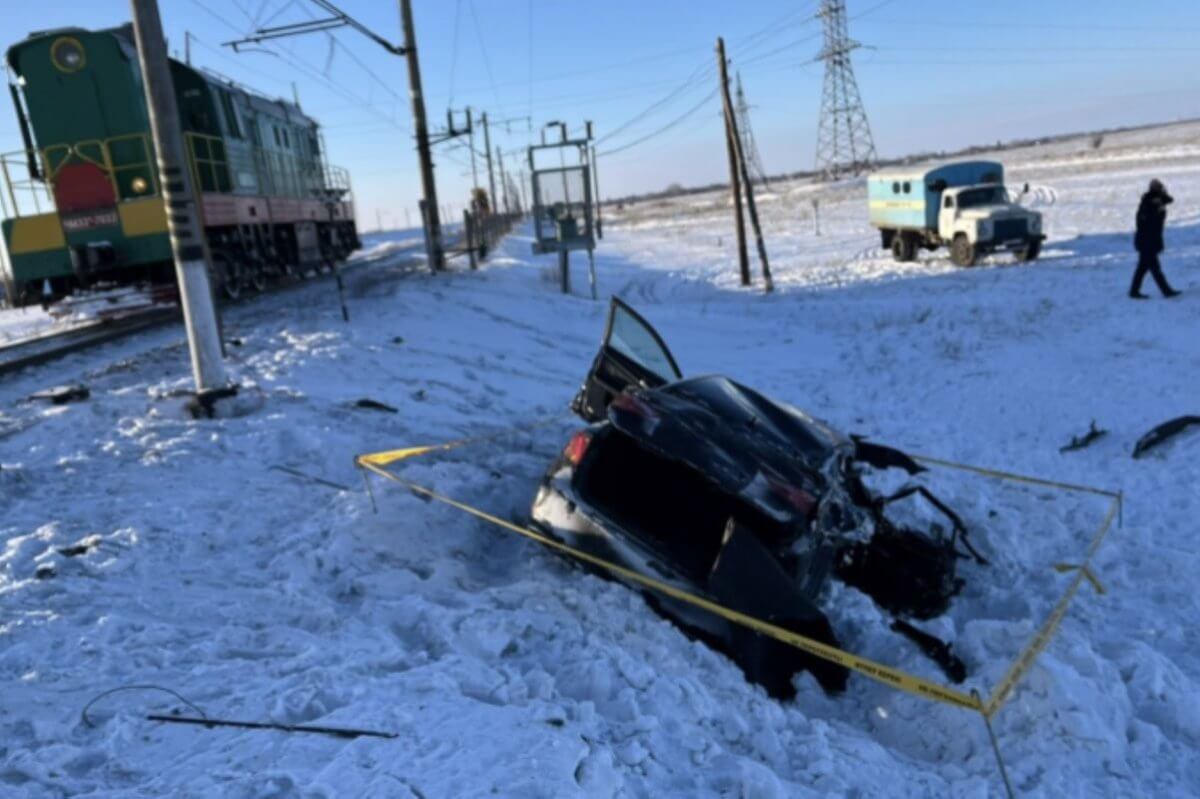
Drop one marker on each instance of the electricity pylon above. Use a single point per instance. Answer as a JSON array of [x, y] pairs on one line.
[[844, 143], [749, 147]]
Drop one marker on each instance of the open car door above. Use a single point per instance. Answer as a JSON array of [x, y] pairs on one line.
[[631, 354]]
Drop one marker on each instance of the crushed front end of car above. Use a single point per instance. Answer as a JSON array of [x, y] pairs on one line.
[[714, 489]]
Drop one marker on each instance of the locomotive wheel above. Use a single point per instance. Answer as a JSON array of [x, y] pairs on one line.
[[257, 272], [229, 272]]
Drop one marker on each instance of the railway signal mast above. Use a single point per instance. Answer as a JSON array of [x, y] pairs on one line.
[[187, 237]]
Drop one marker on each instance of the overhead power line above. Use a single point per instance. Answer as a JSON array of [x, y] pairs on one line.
[[487, 63], [454, 52], [672, 124]]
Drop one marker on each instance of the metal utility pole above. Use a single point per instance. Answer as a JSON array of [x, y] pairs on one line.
[[433, 225], [487, 148], [734, 170], [599, 205], [186, 233], [844, 143], [471, 147], [740, 157], [749, 147], [503, 180]]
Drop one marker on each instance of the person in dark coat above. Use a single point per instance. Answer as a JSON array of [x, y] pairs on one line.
[[1148, 240]]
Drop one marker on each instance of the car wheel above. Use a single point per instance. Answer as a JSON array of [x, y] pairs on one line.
[[962, 251], [1029, 252]]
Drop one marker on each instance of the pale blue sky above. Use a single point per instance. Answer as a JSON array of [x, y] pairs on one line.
[[938, 74]]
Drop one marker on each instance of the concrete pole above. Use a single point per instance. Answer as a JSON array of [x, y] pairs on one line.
[[487, 148], [433, 223], [187, 236]]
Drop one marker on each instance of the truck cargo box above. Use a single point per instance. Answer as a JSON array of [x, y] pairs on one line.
[[908, 197]]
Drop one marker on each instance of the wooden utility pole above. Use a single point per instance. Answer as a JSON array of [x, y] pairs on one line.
[[735, 143], [487, 148], [433, 224], [734, 170], [186, 233]]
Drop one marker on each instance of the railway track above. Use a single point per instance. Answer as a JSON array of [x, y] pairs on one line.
[[38, 350], [42, 349]]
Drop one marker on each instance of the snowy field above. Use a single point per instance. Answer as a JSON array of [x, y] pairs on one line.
[[506, 671]]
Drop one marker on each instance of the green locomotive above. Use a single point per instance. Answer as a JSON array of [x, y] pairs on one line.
[[81, 203]]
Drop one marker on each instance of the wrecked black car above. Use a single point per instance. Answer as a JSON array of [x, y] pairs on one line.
[[711, 487]]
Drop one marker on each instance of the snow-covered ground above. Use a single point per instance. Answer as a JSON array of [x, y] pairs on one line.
[[504, 670]]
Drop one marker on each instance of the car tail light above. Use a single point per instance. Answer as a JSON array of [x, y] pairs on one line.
[[804, 502], [574, 451]]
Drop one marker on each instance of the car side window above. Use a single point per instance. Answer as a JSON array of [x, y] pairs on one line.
[[948, 202], [633, 339]]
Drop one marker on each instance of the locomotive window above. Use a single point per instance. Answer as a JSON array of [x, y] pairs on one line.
[[231, 120], [907, 187]]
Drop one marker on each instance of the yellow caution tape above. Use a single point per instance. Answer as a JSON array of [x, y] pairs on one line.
[[1042, 638], [394, 455], [871, 669], [868, 668], [1088, 573], [1016, 478]]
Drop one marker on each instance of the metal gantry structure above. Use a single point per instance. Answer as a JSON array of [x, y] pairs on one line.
[[749, 147], [844, 143]]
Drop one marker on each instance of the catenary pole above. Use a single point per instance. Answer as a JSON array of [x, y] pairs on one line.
[[503, 180], [734, 169], [487, 148], [186, 234], [599, 204], [471, 147], [433, 224]]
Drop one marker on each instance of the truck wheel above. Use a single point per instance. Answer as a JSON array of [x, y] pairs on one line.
[[903, 248], [1029, 252], [962, 251]]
